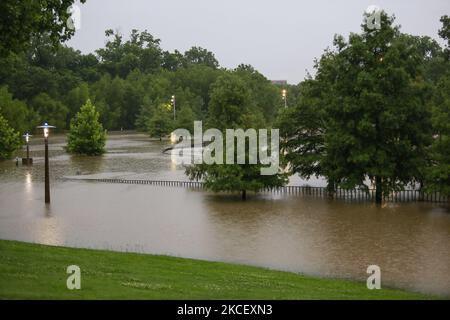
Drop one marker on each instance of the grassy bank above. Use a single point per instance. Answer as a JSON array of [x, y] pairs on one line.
[[33, 271]]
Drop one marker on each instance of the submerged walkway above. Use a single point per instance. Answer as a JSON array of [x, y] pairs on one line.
[[345, 194]]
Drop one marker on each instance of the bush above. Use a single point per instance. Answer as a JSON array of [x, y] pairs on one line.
[[9, 139], [86, 135]]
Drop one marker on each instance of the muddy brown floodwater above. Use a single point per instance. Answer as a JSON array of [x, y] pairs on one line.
[[410, 242]]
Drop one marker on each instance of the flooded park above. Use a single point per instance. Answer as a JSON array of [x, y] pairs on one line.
[[314, 236]]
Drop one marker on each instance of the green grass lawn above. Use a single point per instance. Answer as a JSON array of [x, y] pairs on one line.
[[30, 271]]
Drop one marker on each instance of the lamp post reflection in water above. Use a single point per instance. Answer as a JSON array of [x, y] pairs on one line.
[[28, 160], [46, 128]]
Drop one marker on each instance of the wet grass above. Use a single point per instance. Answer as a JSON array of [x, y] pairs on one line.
[[31, 271]]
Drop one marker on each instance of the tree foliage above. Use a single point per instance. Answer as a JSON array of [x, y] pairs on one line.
[[20, 21], [438, 173], [16, 112], [161, 122], [86, 135], [371, 120], [231, 108], [9, 139]]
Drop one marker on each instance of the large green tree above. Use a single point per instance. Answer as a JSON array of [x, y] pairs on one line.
[[161, 122], [438, 178], [20, 21], [264, 95], [302, 133], [198, 55], [51, 110], [120, 57], [19, 115], [372, 123], [231, 107]]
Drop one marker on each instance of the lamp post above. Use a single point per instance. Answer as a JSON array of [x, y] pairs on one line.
[[284, 93], [172, 100], [28, 160], [46, 128]]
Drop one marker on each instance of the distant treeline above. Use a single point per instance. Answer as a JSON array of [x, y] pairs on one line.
[[127, 80]]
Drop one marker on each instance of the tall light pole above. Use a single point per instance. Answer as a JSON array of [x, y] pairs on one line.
[[284, 93], [173, 101], [46, 128], [28, 160]]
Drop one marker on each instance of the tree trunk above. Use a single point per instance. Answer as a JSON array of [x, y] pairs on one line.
[[244, 195], [378, 190], [331, 189], [421, 196]]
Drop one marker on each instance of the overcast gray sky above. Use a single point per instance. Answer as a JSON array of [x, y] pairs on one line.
[[279, 38]]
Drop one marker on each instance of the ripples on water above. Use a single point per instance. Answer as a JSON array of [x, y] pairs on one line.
[[410, 242]]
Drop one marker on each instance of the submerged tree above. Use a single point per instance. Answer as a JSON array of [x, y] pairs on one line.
[[302, 133], [86, 135], [185, 119], [370, 95], [231, 108], [9, 139], [438, 177], [161, 122], [378, 123]]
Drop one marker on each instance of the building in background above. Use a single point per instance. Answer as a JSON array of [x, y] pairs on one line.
[[279, 82]]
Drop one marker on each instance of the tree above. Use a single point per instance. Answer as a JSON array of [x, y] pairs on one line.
[[108, 96], [185, 119], [16, 112], [120, 57], [231, 108], [22, 20], [379, 125], [53, 111], [198, 80], [438, 173], [265, 95], [161, 123], [75, 98], [444, 33], [230, 103], [9, 139], [373, 122], [86, 135], [438, 178], [302, 133], [173, 61], [198, 55]]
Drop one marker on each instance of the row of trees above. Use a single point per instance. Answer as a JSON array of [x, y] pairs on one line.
[[130, 81], [375, 113], [86, 134]]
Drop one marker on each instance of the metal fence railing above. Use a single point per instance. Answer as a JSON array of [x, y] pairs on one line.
[[345, 194]]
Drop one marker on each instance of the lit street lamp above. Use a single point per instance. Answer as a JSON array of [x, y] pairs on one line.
[[172, 100], [284, 93], [28, 160], [46, 128]]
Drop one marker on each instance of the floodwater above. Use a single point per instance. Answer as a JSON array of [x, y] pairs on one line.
[[409, 242]]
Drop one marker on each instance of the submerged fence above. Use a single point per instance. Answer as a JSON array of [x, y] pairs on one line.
[[344, 194]]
